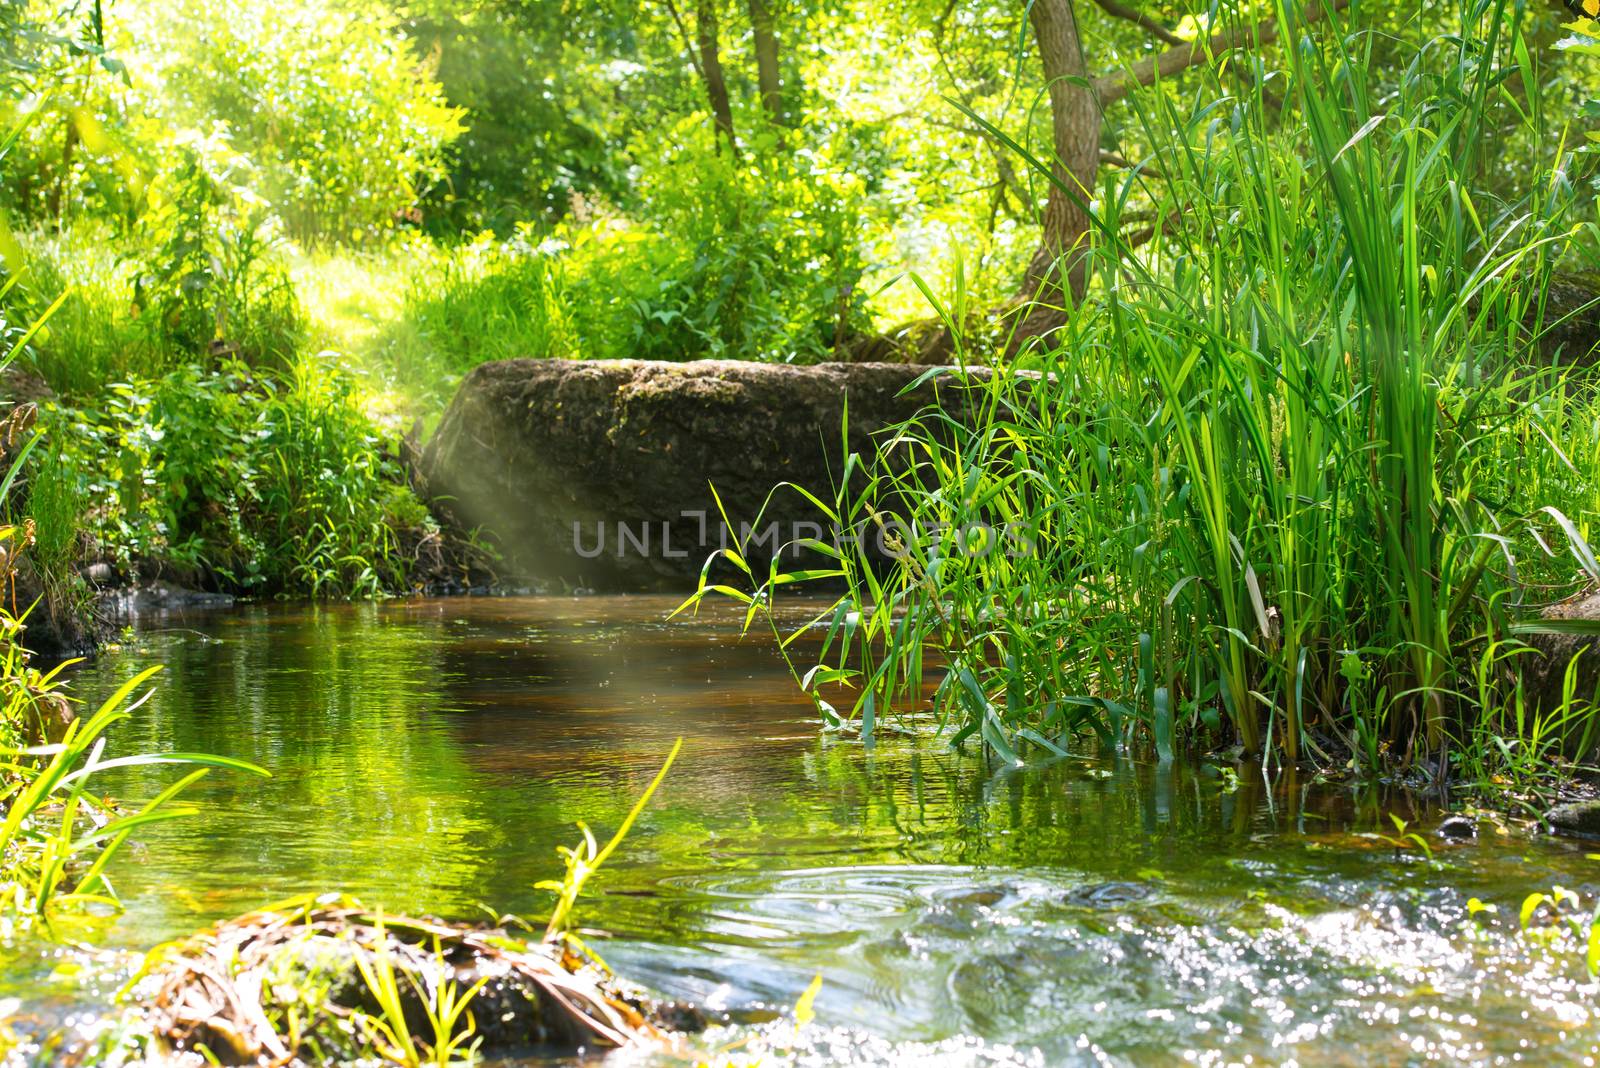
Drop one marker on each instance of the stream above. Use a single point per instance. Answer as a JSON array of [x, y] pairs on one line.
[[430, 755]]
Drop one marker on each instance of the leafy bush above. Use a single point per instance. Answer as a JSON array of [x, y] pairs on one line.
[[254, 482], [331, 500], [202, 285], [205, 290], [322, 110], [337, 113], [737, 261], [544, 120]]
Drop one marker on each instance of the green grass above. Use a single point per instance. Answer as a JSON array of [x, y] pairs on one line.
[[479, 301], [1291, 469], [94, 338]]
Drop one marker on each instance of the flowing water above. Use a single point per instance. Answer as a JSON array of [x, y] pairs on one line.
[[430, 756]]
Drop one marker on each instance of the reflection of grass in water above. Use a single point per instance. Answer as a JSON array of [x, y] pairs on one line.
[[371, 793], [57, 839]]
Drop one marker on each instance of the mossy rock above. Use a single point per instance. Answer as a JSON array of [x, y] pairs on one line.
[[552, 459], [293, 985], [1570, 335]]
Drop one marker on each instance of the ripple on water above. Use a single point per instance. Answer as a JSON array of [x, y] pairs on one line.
[[1080, 971]]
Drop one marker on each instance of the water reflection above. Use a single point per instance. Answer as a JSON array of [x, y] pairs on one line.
[[429, 756]]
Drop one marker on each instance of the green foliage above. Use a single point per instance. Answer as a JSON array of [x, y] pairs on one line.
[[542, 123], [736, 261], [204, 288], [334, 502], [739, 261], [57, 504], [93, 338], [264, 483], [444, 1005], [56, 837], [477, 301], [201, 287], [323, 111], [329, 104], [1405, 840]]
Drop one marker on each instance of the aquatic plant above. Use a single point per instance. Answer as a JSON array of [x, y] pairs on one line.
[[583, 860], [1404, 839], [443, 1003]]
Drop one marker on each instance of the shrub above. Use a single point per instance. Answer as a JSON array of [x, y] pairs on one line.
[[330, 498], [322, 110], [205, 290], [254, 482], [737, 260], [202, 285], [340, 117]]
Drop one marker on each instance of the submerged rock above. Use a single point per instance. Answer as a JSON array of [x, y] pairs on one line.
[[599, 475], [1108, 895], [159, 596], [303, 982]]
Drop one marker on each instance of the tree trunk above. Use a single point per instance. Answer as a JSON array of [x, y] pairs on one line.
[[57, 193], [766, 42], [711, 69], [1075, 129]]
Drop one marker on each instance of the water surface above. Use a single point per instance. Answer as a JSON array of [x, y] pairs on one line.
[[430, 755]]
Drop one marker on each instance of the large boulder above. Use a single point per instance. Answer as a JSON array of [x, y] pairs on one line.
[[1571, 321], [1571, 638], [598, 474]]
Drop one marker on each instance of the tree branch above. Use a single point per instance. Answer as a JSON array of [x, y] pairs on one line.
[[1141, 20], [688, 39], [1113, 87], [1116, 159]]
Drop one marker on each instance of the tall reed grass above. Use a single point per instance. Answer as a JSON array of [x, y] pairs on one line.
[[1289, 470]]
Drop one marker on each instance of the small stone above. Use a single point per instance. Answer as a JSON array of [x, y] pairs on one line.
[[100, 573]]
